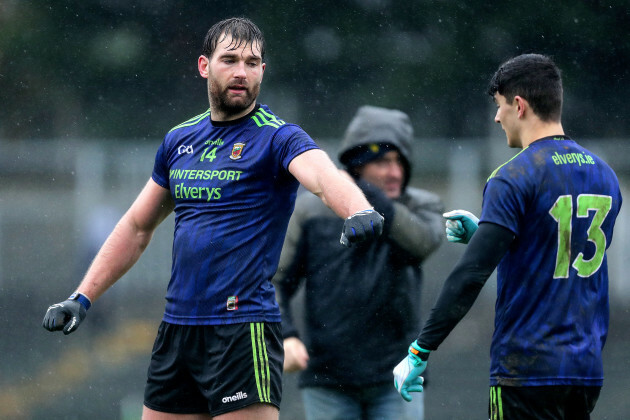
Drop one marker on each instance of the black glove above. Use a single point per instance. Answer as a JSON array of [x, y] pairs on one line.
[[361, 226], [68, 314]]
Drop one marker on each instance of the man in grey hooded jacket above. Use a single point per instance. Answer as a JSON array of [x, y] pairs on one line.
[[362, 302]]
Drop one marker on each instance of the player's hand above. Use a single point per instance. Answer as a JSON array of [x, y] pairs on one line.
[[407, 373], [67, 315], [461, 225], [295, 355], [361, 226]]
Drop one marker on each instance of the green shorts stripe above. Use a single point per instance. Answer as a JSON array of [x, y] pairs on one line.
[[496, 405], [546, 401], [266, 359], [261, 362], [191, 372]]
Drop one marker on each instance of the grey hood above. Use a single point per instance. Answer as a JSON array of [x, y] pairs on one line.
[[372, 132]]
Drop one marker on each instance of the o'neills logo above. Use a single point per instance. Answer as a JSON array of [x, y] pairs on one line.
[[238, 396], [237, 151]]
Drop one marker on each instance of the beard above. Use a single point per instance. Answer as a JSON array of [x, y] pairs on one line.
[[223, 102]]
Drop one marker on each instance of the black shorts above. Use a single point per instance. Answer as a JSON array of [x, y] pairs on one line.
[[542, 402], [215, 369]]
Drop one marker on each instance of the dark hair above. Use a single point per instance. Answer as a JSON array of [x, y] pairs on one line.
[[242, 31], [534, 77]]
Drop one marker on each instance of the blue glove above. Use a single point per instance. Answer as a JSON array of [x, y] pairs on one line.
[[460, 226], [407, 373], [361, 226], [68, 314]]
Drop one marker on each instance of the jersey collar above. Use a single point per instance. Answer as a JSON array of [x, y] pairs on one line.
[[233, 122], [555, 137]]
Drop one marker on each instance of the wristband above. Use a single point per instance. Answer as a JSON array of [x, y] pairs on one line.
[[419, 352], [82, 299]]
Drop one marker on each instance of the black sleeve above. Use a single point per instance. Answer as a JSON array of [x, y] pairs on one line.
[[483, 253], [290, 272], [285, 291], [380, 201]]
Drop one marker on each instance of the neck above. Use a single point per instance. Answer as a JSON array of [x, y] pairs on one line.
[[539, 130], [217, 114]]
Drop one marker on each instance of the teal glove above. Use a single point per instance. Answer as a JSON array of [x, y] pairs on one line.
[[460, 226], [407, 374]]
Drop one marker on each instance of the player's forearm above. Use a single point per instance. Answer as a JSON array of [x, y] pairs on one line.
[[341, 194], [461, 288], [318, 174], [458, 294], [119, 253]]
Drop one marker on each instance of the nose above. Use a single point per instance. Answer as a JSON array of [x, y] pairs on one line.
[[496, 118], [395, 170], [239, 71]]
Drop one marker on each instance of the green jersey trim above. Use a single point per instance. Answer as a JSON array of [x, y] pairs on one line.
[[262, 118], [492, 175], [193, 121]]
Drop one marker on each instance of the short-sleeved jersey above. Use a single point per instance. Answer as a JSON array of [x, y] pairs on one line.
[[233, 198], [551, 322]]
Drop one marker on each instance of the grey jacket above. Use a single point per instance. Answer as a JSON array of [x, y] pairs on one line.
[[362, 304]]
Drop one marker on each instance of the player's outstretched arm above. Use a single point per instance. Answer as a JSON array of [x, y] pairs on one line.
[[118, 254], [318, 174], [458, 294], [461, 225]]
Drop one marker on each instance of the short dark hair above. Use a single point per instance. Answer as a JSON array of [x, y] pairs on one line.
[[242, 31], [534, 77]]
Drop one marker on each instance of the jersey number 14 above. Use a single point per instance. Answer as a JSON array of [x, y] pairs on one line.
[[562, 212]]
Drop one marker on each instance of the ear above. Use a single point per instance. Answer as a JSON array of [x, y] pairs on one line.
[[203, 65], [521, 105]]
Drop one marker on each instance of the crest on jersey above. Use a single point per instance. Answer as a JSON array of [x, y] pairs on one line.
[[237, 151], [232, 303]]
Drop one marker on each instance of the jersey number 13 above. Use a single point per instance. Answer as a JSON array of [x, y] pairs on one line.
[[562, 212]]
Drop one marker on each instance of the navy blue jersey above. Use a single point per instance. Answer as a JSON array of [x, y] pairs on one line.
[[233, 198], [561, 202]]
